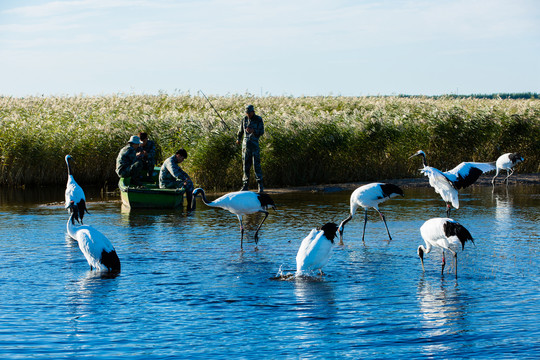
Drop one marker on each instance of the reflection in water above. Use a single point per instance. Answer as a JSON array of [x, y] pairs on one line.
[[185, 279], [315, 309], [503, 207], [86, 302], [442, 313], [148, 217]]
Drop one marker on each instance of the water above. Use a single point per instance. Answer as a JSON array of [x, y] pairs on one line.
[[186, 290]]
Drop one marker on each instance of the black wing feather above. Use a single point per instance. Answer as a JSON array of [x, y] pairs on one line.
[[469, 179], [265, 200], [456, 229], [110, 260], [389, 189]]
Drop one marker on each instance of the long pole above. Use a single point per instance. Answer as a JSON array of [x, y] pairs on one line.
[[223, 121]]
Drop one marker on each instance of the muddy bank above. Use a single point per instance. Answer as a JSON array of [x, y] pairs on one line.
[[516, 179]]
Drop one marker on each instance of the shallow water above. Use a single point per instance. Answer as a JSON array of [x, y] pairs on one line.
[[186, 290]]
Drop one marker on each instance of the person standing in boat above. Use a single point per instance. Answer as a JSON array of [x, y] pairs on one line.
[[147, 149], [171, 176], [128, 163], [251, 129]]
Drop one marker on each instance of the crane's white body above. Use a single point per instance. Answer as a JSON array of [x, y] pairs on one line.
[[507, 162], [443, 233], [432, 232], [313, 253], [74, 193], [447, 183], [240, 203], [370, 196], [93, 244]]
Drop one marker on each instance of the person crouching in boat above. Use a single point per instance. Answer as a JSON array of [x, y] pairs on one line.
[[171, 176], [128, 163]]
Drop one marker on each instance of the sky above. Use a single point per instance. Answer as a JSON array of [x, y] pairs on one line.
[[263, 48]]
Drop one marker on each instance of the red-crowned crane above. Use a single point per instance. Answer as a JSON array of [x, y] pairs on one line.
[[240, 203], [366, 196], [75, 194], [443, 233], [449, 182], [96, 248], [507, 162], [315, 249]]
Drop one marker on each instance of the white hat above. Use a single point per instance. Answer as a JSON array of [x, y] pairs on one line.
[[134, 140]]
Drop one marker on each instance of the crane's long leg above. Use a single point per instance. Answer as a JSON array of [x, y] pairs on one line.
[[455, 260], [493, 180], [241, 232], [365, 222], [443, 263], [509, 172], [384, 220], [258, 228]]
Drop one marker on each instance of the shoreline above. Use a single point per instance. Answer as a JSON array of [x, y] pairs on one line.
[[516, 179]]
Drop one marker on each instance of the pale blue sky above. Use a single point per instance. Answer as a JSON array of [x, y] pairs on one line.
[[279, 47]]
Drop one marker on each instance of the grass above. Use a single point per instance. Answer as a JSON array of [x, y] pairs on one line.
[[308, 140]]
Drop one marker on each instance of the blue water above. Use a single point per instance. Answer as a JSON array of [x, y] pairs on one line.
[[187, 291]]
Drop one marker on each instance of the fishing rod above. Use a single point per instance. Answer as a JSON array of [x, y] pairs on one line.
[[223, 121]]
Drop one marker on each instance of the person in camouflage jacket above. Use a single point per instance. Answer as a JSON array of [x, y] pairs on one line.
[[128, 164], [171, 176], [251, 129]]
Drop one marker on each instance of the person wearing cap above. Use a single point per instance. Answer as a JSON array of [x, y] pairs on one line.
[[147, 149], [171, 175], [251, 129], [128, 163]]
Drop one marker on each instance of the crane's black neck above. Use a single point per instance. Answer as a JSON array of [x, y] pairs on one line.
[[203, 196], [68, 166], [424, 161]]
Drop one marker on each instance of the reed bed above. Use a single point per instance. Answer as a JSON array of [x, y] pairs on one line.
[[308, 140]]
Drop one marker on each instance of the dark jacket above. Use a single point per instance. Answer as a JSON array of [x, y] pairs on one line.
[[127, 161], [258, 126]]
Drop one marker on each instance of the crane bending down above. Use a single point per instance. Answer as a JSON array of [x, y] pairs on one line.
[[366, 196], [240, 203], [507, 162], [443, 233], [315, 249], [74, 193], [449, 182], [96, 248]]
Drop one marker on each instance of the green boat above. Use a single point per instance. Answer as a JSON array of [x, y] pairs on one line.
[[148, 194]]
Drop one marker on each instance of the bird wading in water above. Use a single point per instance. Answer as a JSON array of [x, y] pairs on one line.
[[96, 247], [507, 162], [443, 233], [240, 203], [74, 194], [315, 249], [449, 182], [366, 196]]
